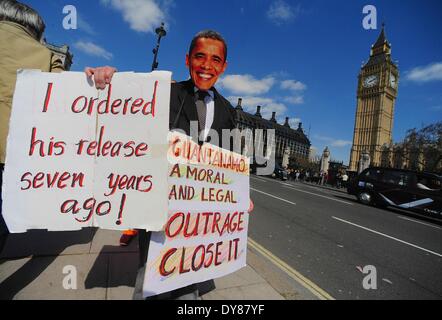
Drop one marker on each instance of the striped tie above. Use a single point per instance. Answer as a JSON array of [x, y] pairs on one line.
[[201, 108]]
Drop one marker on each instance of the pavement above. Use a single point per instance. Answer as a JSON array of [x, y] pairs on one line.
[[34, 265]]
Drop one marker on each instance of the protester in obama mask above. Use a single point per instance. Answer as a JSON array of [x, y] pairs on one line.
[[195, 100], [21, 30]]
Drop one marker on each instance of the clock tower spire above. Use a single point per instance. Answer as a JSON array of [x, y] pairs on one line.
[[381, 45], [376, 96]]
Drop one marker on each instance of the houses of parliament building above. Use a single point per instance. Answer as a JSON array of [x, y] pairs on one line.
[[288, 141]]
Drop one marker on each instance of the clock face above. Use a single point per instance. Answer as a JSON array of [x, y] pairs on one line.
[[370, 81], [393, 80]]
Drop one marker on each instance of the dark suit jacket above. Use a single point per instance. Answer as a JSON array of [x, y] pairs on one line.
[[183, 109]]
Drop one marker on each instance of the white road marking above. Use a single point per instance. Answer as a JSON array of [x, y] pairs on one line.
[[390, 237], [259, 179], [324, 190], [318, 195], [271, 195], [425, 224]]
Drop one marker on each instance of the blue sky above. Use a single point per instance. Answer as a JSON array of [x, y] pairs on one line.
[[298, 58]]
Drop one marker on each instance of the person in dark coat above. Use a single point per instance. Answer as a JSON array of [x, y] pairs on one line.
[[197, 102]]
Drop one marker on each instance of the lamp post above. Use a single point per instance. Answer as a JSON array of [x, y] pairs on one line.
[[161, 32]]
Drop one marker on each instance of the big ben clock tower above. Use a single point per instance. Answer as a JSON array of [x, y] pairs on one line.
[[376, 95]]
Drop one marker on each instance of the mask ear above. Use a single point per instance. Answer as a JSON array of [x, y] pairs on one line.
[[187, 60], [224, 67]]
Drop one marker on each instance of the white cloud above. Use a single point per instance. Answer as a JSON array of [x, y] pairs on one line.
[[83, 25], [296, 87], [341, 143], [293, 85], [294, 122], [268, 105], [294, 100], [246, 84], [426, 73], [280, 12], [142, 15], [333, 142], [93, 50], [250, 90]]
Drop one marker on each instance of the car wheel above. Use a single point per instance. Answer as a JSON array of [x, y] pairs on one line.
[[365, 197]]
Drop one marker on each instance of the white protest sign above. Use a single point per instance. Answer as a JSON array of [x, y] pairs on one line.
[[205, 236], [79, 157]]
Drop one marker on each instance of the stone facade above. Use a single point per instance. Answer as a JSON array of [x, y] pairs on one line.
[[400, 156], [287, 140], [63, 53], [376, 95]]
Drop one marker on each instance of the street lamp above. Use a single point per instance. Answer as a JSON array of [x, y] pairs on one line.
[[161, 32]]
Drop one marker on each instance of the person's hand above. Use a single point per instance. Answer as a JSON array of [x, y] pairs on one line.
[[102, 75], [251, 207]]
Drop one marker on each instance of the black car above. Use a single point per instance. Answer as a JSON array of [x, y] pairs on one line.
[[404, 189], [280, 173]]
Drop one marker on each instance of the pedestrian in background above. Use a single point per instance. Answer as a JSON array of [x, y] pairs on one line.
[[338, 180], [344, 180]]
